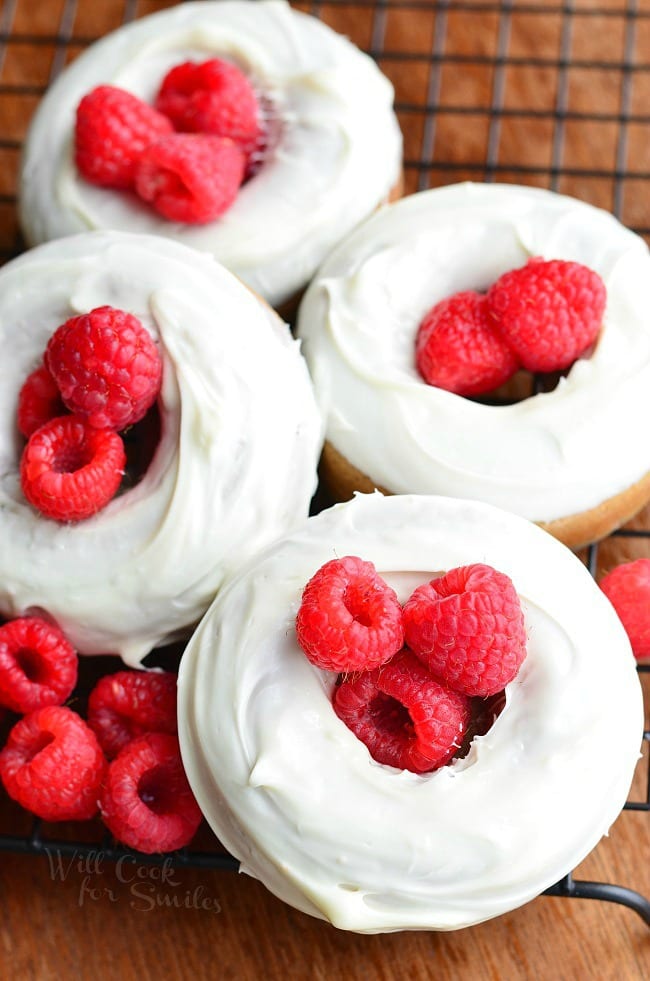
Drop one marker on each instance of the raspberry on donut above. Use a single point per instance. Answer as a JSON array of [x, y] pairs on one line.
[[38, 666], [53, 766], [107, 367], [69, 471], [146, 801], [468, 628], [128, 704], [405, 717], [112, 129], [39, 400], [349, 618]]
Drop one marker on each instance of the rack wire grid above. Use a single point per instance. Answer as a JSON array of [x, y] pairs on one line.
[[485, 91]]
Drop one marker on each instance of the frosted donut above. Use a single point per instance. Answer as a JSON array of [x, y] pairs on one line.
[[337, 158], [234, 467], [575, 459], [294, 795]]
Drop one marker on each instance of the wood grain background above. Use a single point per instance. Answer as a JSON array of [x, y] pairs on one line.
[[545, 93]]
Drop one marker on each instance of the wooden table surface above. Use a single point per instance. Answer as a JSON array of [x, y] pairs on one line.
[[547, 94]]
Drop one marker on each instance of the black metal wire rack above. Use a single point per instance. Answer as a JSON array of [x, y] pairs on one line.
[[485, 90]]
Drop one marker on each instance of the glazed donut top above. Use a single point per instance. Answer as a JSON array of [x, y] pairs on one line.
[[338, 156], [234, 468], [550, 456], [296, 796]]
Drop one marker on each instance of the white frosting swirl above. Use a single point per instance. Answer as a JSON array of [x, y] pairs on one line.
[[235, 466], [338, 155], [296, 796], [552, 455]]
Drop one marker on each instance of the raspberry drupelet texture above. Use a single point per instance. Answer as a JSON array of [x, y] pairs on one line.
[[112, 129], [53, 766], [458, 349], [107, 367], [467, 627], [190, 177], [38, 666], [405, 717], [627, 587], [39, 400], [349, 618], [128, 704], [214, 97], [548, 312], [69, 470], [146, 801]]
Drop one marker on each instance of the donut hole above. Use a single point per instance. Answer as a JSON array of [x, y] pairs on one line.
[[484, 713], [140, 443], [523, 385]]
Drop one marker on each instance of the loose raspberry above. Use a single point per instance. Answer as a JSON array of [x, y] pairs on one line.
[[190, 177], [548, 312], [404, 716], [457, 349], [627, 587], [39, 401], [467, 627], [126, 705], [38, 666], [69, 470], [112, 129], [146, 802], [53, 766], [107, 367], [349, 618], [212, 97]]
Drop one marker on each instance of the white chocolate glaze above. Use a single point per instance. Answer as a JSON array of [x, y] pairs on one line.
[[296, 796], [338, 156], [552, 455], [235, 466]]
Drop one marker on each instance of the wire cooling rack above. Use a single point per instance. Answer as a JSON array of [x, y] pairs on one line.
[[552, 94]]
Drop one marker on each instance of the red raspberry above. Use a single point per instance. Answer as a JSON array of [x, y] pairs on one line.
[[404, 716], [212, 97], [468, 628], [53, 766], [627, 587], [548, 312], [69, 470], [38, 666], [190, 177], [126, 705], [39, 401], [113, 128], [457, 349], [146, 802], [107, 367], [349, 618]]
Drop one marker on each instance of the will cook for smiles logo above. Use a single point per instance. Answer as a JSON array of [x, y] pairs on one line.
[[147, 887]]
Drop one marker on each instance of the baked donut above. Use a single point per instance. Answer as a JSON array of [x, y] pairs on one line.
[[235, 465], [336, 156], [574, 459], [296, 797]]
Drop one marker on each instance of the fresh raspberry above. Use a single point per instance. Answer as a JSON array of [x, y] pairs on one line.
[[468, 628], [69, 470], [212, 97], [457, 349], [190, 177], [627, 587], [38, 666], [548, 312], [113, 128], [53, 766], [107, 367], [146, 802], [349, 618], [126, 705], [39, 401], [404, 716]]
